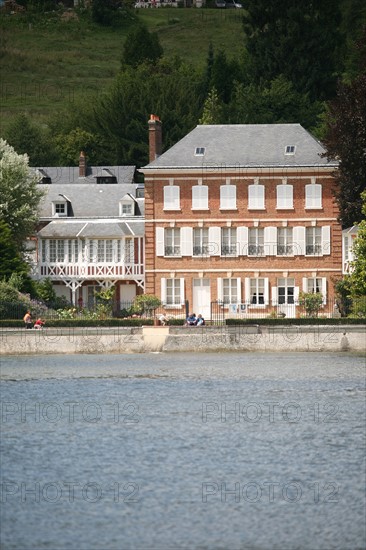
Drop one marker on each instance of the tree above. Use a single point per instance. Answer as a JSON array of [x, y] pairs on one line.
[[27, 138], [69, 146], [345, 140], [212, 109], [311, 302], [19, 194], [141, 46], [357, 279], [297, 39], [11, 260]]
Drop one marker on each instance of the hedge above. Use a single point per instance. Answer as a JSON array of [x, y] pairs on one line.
[[301, 321], [18, 323]]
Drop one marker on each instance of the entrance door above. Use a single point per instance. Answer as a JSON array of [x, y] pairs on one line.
[[202, 297], [286, 296]]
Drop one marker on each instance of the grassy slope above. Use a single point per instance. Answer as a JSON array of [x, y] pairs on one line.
[[52, 63]]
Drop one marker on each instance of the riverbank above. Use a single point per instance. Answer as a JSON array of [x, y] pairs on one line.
[[243, 338]]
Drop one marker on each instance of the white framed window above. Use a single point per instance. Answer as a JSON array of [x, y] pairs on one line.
[[172, 241], [129, 251], [256, 241], [200, 197], [171, 197], [346, 249], [315, 285], [285, 199], [285, 241], [59, 208], [73, 251], [56, 250], [313, 241], [256, 197], [290, 149], [172, 292], [228, 197], [126, 208], [257, 291], [199, 151], [105, 251], [228, 241], [200, 241], [229, 290], [313, 195]]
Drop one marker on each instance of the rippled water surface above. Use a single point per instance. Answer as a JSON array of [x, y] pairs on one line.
[[162, 451]]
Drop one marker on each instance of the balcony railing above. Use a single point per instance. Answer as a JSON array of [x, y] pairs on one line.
[[91, 271]]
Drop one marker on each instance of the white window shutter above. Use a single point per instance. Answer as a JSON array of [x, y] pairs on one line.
[[171, 197], [186, 241], [238, 282], [223, 197], [326, 239], [266, 291], [313, 195], [270, 241], [159, 235], [304, 284], [200, 197], [163, 289], [299, 240], [256, 197], [284, 196], [242, 233], [324, 289], [214, 241], [247, 290], [220, 293], [274, 296], [227, 197], [296, 294], [182, 295]]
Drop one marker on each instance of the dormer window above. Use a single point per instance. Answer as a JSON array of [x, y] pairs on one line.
[[127, 206], [59, 208], [140, 192], [290, 149], [106, 177], [43, 176], [200, 151]]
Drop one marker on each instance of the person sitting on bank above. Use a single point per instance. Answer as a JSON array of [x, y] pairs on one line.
[[191, 320], [39, 324], [163, 319], [200, 320], [28, 320]]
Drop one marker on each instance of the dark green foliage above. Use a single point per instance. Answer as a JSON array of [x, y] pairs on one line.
[[299, 40], [75, 323], [346, 140], [28, 138], [11, 261], [141, 47]]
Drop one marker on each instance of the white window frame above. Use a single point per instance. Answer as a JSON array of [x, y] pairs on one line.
[[231, 288], [256, 241], [171, 197], [256, 197], [290, 149], [56, 205], [123, 205], [172, 292], [201, 245], [285, 242], [200, 197], [313, 236], [313, 196], [311, 283], [56, 251], [285, 197], [172, 236], [228, 241], [228, 197]]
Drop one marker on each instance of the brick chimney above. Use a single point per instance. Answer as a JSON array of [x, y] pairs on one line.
[[155, 137], [82, 165]]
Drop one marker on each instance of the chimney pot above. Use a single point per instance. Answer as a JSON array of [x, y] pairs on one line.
[[155, 137], [82, 165]]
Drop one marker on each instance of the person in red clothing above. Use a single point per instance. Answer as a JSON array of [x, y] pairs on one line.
[[39, 324]]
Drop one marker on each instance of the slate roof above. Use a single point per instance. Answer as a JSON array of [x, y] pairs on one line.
[[108, 229], [88, 201], [244, 145], [62, 175]]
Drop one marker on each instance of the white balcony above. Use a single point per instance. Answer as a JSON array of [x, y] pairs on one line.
[[90, 271]]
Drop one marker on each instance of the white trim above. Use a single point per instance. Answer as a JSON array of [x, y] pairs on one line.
[[186, 241], [160, 241]]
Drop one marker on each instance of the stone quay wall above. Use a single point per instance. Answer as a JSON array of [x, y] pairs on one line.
[[241, 338]]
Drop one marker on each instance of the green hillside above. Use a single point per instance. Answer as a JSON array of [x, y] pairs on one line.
[[49, 62]]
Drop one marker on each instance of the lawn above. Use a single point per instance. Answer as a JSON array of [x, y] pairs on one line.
[[48, 63]]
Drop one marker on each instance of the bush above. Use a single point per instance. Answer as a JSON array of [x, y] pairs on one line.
[[311, 302], [358, 308]]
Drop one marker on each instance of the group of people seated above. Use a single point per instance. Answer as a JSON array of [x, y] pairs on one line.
[[192, 320], [29, 322]]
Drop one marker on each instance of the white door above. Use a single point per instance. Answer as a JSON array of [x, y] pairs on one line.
[[202, 297], [286, 297], [127, 295]]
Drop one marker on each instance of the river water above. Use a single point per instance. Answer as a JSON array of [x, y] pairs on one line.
[[188, 451]]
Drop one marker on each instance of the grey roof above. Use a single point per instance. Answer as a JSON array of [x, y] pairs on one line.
[[70, 174], [87, 201], [244, 145], [113, 230]]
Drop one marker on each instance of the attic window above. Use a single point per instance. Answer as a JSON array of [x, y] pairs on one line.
[[106, 176], [43, 176], [59, 209], [290, 149], [200, 151], [140, 192]]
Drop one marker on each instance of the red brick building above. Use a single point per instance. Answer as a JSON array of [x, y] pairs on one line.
[[242, 214]]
